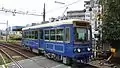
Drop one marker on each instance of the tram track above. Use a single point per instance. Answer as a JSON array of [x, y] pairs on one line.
[[22, 54], [11, 58], [21, 49], [18, 50]]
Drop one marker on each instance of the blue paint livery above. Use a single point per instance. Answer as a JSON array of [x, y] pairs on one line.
[[60, 48]]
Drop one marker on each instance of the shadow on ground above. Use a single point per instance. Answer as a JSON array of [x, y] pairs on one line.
[[83, 66]]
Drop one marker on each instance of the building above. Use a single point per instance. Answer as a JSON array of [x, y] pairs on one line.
[[92, 13], [87, 12], [78, 14], [15, 30], [92, 16], [2, 34]]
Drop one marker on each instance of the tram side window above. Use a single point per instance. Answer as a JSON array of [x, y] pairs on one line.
[[52, 34], [67, 34], [27, 34], [33, 34], [60, 35], [36, 34], [24, 35], [30, 34], [88, 34], [46, 34], [41, 34]]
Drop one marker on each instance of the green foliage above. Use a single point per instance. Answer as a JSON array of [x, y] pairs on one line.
[[6, 59], [14, 37], [111, 20]]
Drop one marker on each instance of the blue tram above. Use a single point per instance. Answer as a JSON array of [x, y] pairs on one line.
[[66, 40]]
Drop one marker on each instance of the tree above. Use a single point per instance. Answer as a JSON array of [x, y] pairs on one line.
[[111, 21]]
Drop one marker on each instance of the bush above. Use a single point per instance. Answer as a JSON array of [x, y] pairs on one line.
[[14, 37]]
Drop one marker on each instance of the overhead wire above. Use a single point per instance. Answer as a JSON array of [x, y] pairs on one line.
[[63, 6], [14, 11], [27, 13]]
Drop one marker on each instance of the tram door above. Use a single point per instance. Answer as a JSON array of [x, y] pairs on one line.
[[41, 47], [67, 39]]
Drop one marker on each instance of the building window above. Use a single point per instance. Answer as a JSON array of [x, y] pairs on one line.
[[67, 34], [52, 34], [46, 34], [60, 35]]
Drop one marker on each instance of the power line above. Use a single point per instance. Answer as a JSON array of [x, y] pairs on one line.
[[63, 6], [59, 2], [28, 13], [14, 11]]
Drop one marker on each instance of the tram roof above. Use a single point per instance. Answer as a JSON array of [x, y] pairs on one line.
[[52, 24]]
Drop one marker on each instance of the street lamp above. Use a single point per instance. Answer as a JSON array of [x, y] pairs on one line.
[[6, 29]]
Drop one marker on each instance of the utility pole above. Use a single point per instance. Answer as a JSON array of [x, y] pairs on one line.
[[7, 31], [44, 13]]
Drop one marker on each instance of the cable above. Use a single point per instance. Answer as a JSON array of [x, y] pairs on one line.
[[63, 6], [17, 12], [26, 13]]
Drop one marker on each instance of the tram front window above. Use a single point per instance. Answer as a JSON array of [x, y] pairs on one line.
[[80, 34]]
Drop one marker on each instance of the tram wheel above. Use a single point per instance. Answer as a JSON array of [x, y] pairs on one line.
[[58, 58]]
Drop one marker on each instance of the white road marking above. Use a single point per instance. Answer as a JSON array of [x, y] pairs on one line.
[[61, 66], [57, 66], [68, 67]]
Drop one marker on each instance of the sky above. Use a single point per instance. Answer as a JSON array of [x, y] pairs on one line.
[[35, 6]]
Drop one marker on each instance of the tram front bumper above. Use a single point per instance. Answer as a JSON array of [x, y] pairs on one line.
[[82, 57]]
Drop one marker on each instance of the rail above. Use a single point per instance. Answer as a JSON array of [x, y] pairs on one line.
[[3, 59], [25, 56], [14, 61]]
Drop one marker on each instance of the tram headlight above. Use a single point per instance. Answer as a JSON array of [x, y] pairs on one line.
[[78, 50], [88, 49], [75, 50]]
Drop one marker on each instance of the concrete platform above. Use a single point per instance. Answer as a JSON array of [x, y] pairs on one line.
[[43, 62], [40, 62]]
